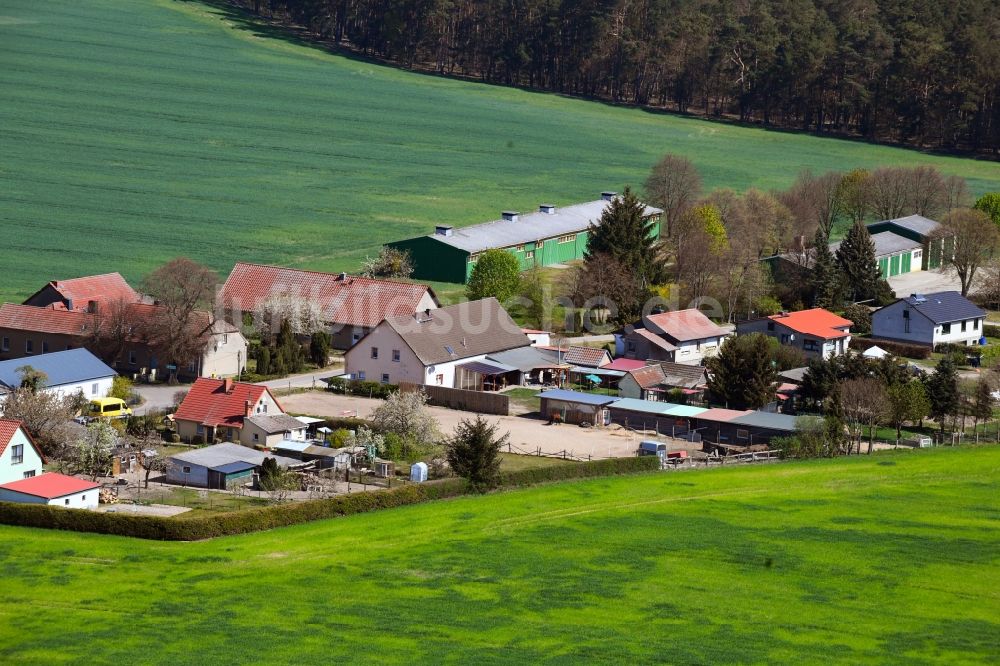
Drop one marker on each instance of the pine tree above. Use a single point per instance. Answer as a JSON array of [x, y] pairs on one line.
[[856, 260], [743, 376], [942, 391], [623, 234], [825, 279], [474, 452]]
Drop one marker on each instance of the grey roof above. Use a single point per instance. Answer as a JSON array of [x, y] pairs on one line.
[[529, 228], [887, 243], [272, 424], [684, 376], [794, 376], [944, 306], [217, 455], [464, 330], [768, 420], [63, 367], [916, 223], [579, 397], [238, 466], [524, 359]]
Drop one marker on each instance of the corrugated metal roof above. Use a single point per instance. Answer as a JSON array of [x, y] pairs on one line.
[[529, 227], [720, 415], [487, 369], [63, 367], [686, 410], [227, 452], [524, 358], [600, 372], [643, 406], [230, 468], [769, 420], [576, 396]]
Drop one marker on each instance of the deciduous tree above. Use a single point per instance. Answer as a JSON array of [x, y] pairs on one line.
[[976, 240], [497, 273], [673, 185]]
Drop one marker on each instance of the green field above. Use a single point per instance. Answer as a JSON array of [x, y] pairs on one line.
[[138, 130], [891, 558]]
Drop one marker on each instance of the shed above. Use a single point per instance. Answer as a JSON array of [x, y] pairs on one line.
[[665, 418], [52, 489], [575, 406]]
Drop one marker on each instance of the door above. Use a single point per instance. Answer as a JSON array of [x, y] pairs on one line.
[[904, 265], [883, 266], [894, 265]]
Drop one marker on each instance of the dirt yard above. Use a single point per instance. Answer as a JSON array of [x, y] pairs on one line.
[[527, 434]]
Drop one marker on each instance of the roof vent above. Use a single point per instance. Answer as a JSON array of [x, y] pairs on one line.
[[548, 209], [443, 230], [608, 195], [510, 215], [918, 298]]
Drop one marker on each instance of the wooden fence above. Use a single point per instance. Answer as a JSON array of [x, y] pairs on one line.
[[469, 401]]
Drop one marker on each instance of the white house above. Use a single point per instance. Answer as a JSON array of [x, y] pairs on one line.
[[66, 373], [55, 489], [930, 319], [19, 457], [817, 332], [681, 336], [442, 347]]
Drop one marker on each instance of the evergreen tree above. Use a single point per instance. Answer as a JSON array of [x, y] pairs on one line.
[[826, 280], [743, 375], [942, 391], [319, 348], [624, 235], [474, 452], [856, 260]]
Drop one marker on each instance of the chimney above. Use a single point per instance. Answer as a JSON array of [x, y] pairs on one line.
[[443, 230], [343, 276], [69, 303], [608, 195], [248, 408], [510, 215], [92, 307], [227, 384], [548, 209]]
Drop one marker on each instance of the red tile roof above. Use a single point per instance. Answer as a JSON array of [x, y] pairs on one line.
[[50, 485], [353, 301], [817, 322], [648, 377], [106, 288], [208, 402], [624, 364], [72, 322], [683, 325], [591, 357]]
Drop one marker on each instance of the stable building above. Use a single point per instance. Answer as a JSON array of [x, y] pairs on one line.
[[936, 249], [549, 236], [221, 466], [576, 407]]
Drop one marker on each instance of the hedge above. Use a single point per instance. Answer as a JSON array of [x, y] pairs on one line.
[[360, 387], [281, 515], [991, 330], [899, 349]]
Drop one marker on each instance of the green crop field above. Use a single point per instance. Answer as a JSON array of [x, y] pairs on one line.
[[132, 131], [890, 558]]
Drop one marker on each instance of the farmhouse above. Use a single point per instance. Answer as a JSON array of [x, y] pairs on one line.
[[19, 457], [550, 236], [85, 294], [930, 319], [443, 347], [349, 305], [54, 489], [26, 331], [219, 408], [680, 336], [66, 373], [575, 406], [818, 333], [221, 466]]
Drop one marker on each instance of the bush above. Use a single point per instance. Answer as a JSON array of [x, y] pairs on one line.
[[281, 515], [359, 387], [991, 330], [175, 438], [898, 349]]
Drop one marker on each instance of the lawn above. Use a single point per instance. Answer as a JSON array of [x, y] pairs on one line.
[[138, 130], [889, 558]]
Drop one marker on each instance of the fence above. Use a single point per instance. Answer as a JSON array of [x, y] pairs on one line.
[[561, 455], [468, 401]]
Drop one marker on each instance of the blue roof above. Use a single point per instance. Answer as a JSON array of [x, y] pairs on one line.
[[577, 396], [63, 367], [944, 306]]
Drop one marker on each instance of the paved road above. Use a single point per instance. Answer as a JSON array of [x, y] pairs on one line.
[[924, 282]]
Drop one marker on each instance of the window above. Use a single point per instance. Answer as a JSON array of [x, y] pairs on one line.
[[29, 347], [186, 469], [785, 338], [17, 454], [395, 355], [374, 352], [530, 254], [770, 325], [385, 377], [201, 429], [45, 346], [810, 345], [917, 254], [742, 434], [356, 337], [225, 338], [93, 389], [472, 258], [66, 502], [256, 437], [945, 329], [30, 473], [519, 248], [570, 238], [131, 357], [630, 345], [192, 366], [83, 498], [361, 375], [975, 325], [5, 346], [963, 325], [439, 379]]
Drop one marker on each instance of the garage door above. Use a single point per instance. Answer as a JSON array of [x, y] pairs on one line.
[[894, 265], [904, 264], [883, 266]]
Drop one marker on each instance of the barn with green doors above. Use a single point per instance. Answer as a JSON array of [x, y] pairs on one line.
[[936, 249], [549, 236]]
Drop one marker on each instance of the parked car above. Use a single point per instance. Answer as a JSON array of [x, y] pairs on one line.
[[108, 408]]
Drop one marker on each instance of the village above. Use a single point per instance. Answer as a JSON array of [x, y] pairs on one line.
[[298, 384]]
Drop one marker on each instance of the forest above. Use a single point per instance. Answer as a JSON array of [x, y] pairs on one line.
[[919, 73]]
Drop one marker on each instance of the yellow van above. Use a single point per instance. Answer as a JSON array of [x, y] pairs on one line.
[[109, 408]]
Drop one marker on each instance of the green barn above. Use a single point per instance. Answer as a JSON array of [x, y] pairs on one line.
[[935, 250], [549, 236]]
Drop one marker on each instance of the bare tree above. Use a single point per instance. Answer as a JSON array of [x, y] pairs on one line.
[[989, 284], [976, 240], [923, 190], [46, 416], [178, 328], [864, 403], [889, 193], [389, 263], [814, 201], [673, 185], [115, 325], [149, 457]]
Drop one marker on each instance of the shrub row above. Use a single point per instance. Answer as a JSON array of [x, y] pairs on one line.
[[991, 330], [900, 349], [952, 348], [281, 515], [360, 387]]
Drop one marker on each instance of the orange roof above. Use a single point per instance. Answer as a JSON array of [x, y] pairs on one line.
[[210, 404], [817, 322], [105, 288], [353, 301], [50, 485]]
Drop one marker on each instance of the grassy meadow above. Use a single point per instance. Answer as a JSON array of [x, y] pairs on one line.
[[889, 558], [138, 130]]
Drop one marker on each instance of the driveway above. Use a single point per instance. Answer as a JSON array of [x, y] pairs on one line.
[[157, 397], [527, 434], [924, 282]]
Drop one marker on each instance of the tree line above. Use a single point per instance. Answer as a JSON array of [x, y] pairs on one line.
[[904, 71]]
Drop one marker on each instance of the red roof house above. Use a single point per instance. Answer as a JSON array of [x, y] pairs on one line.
[[85, 293], [352, 305], [50, 485], [216, 408], [817, 332]]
